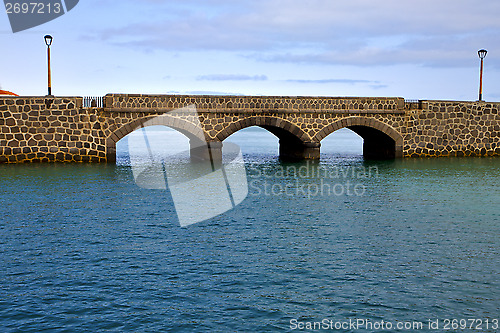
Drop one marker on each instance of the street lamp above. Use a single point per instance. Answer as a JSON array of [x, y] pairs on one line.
[[482, 54], [48, 42]]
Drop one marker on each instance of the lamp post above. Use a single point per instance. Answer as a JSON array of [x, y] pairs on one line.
[[482, 54], [48, 42]]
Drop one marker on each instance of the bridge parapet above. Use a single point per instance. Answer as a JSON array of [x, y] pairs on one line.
[[65, 129], [244, 104], [37, 103]]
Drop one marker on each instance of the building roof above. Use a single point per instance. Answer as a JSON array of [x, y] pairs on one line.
[[5, 92]]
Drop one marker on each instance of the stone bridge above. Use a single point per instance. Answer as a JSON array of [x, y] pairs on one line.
[[46, 129]]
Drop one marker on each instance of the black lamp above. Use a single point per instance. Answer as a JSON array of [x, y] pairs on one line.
[[48, 42]]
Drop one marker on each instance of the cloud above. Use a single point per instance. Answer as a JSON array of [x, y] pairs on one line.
[[432, 51], [372, 84], [441, 33], [203, 92], [323, 81], [231, 77], [378, 86], [207, 92]]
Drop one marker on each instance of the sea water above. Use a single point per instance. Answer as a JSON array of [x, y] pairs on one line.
[[415, 242]]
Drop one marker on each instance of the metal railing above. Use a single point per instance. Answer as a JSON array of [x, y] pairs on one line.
[[412, 104], [93, 102]]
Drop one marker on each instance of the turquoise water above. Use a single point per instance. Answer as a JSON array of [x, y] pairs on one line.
[[83, 249]]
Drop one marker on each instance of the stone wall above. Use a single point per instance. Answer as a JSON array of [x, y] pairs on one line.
[[448, 128], [40, 129], [130, 102]]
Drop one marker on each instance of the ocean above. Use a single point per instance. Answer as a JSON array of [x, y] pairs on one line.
[[342, 244]]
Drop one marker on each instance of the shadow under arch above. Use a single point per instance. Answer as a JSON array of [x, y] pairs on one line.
[[380, 141], [294, 143], [193, 132]]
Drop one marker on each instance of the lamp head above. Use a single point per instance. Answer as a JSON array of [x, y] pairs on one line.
[[48, 40], [482, 53]]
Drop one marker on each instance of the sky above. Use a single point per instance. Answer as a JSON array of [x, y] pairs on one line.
[[425, 49]]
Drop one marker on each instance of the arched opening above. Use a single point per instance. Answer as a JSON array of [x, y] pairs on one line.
[[342, 144], [150, 143], [380, 141], [255, 141], [191, 131], [291, 147], [293, 141], [376, 144]]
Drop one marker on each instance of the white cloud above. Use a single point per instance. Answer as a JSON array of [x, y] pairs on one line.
[[209, 92], [326, 81], [231, 77], [357, 32]]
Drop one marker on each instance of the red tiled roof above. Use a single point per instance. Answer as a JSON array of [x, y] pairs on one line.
[[5, 92]]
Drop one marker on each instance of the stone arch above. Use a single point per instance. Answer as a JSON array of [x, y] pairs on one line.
[[195, 133], [293, 141], [268, 123], [379, 139]]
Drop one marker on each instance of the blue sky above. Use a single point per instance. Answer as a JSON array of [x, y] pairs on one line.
[[414, 49]]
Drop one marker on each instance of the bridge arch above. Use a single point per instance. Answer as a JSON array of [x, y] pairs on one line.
[[268, 123], [193, 131], [380, 141], [293, 141]]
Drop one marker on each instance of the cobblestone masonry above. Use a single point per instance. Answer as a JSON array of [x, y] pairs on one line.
[[40, 129]]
